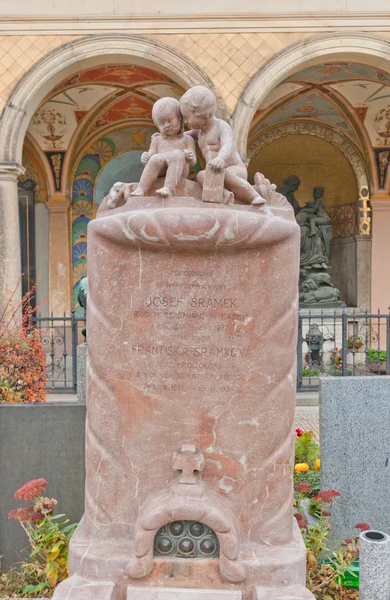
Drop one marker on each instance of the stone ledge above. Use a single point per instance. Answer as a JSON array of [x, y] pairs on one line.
[[291, 592], [160, 593]]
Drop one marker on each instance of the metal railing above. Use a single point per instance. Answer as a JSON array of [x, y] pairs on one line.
[[60, 338], [341, 343], [330, 343]]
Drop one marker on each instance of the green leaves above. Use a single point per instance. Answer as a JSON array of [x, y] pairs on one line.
[[49, 536]]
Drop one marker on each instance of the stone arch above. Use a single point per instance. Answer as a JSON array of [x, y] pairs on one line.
[[373, 49], [317, 129], [73, 56]]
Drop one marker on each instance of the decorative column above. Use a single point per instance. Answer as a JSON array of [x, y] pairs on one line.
[[10, 266], [380, 271], [59, 257]]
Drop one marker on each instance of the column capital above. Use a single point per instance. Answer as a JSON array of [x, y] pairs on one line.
[[58, 205], [11, 171], [381, 204]]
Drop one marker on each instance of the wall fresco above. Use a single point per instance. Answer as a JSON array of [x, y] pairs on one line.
[[84, 185]]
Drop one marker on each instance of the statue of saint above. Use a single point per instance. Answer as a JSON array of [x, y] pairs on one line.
[[316, 285], [290, 185], [316, 232]]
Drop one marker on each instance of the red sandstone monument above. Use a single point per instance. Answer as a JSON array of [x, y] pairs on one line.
[[192, 312]]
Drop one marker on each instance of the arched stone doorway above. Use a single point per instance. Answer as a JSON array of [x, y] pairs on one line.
[[28, 107], [314, 152], [338, 82]]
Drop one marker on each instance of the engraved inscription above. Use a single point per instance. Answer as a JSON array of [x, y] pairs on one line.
[[197, 331]]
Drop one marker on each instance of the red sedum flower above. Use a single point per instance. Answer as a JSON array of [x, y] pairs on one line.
[[303, 487], [22, 514], [327, 496], [31, 490], [302, 521]]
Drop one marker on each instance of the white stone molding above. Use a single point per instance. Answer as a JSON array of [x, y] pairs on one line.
[[83, 53], [11, 171], [369, 48], [283, 22]]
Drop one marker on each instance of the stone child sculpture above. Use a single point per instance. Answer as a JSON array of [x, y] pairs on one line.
[[291, 185], [314, 213], [216, 142], [171, 151]]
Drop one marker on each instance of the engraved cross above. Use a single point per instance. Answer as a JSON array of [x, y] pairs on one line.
[[190, 461]]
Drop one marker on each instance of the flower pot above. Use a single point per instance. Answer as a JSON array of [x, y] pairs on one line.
[[374, 367]]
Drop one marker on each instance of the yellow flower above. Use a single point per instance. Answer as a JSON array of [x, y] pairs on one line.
[[301, 467], [318, 464]]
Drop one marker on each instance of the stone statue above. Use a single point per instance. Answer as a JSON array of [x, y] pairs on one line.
[[82, 295], [316, 284], [171, 153], [316, 232], [216, 142], [290, 185]]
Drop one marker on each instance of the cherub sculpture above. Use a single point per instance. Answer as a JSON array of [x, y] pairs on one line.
[[216, 142], [171, 153]]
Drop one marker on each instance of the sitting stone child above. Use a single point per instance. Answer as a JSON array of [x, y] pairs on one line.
[[216, 141], [171, 151]]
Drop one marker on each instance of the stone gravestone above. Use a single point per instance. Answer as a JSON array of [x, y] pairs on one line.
[[355, 451], [192, 313]]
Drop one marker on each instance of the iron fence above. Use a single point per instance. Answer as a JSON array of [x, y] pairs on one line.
[[60, 338], [330, 343], [341, 343]]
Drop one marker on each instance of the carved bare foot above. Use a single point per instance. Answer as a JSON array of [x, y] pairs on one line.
[[164, 192], [114, 194], [258, 201], [138, 192], [227, 197]]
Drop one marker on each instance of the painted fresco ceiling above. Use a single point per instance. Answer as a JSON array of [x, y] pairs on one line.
[[338, 71], [334, 93], [311, 105], [95, 98]]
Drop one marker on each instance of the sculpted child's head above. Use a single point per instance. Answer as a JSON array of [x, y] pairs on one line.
[[198, 105], [167, 117]]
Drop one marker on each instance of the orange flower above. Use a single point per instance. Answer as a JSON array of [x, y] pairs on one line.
[[301, 467], [318, 464]]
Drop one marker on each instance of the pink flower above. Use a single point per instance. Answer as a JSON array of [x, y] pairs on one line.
[[31, 490], [298, 431]]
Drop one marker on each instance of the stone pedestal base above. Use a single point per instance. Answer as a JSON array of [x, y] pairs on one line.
[[291, 592], [269, 567], [78, 588], [152, 593]]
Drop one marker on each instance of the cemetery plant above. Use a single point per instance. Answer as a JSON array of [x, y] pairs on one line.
[[325, 570], [374, 355], [48, 535], [22, 358], [310, 372], [354, 341]]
